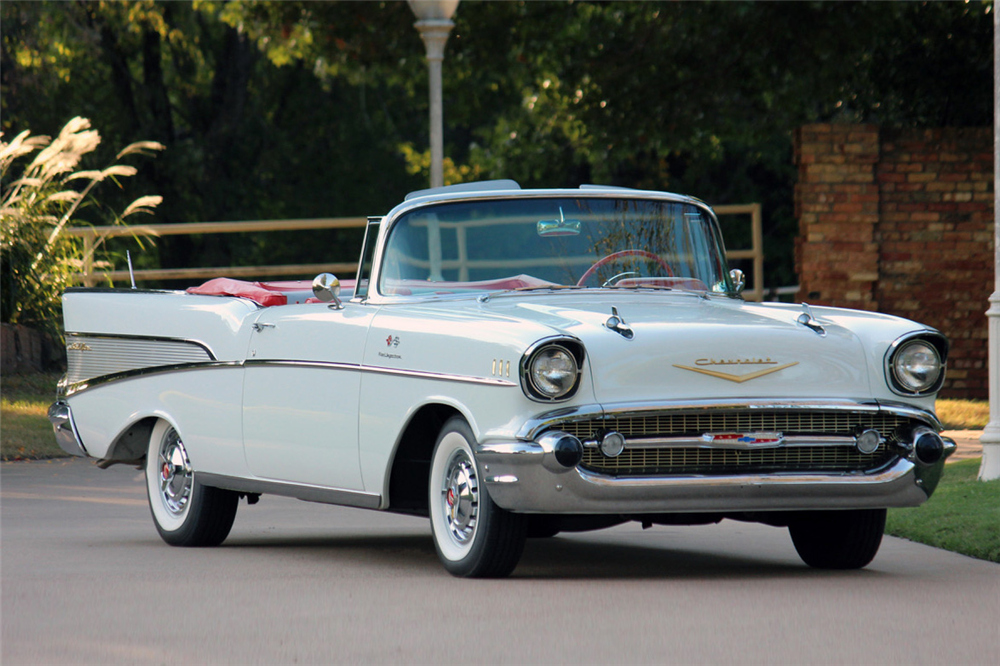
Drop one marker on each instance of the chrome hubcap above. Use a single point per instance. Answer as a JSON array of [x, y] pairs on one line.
[[176, 477], [460, 497]]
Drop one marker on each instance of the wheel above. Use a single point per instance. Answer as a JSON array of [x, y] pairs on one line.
[[619, 255], [185, 512], [838, 539], [472, 535]]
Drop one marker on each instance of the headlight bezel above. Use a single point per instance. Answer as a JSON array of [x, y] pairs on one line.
[[532, 388], [893, 375]]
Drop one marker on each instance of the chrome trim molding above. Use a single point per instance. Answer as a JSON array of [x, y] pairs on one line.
[[327, 365], [69, 389], [440, 376], [303, 492]]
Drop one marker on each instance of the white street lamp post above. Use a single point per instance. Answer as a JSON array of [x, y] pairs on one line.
[[434, 23], [990, 439]]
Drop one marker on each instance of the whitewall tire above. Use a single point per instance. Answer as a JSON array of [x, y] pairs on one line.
[[185, 512], [472, 535]]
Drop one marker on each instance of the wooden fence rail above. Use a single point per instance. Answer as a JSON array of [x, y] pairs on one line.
[[91, 275]]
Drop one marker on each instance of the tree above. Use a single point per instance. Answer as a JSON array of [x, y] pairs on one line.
[[301, 109]]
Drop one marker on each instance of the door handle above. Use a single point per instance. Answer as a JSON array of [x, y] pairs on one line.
[[257, 326]]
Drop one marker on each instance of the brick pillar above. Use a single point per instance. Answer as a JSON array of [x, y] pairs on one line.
[[935, 235], [837, 205]]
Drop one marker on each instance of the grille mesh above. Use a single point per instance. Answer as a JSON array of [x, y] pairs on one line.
[[707, 460], [785, 421], [647, 462]]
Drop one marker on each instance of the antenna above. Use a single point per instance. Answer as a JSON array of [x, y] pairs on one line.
[[131, 273]]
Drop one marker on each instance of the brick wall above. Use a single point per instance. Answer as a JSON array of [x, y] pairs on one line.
[[901, 222]]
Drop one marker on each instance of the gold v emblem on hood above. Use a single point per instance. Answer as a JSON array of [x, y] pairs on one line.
[[739, 379]]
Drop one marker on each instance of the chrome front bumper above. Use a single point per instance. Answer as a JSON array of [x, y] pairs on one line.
[[524, 477], [67, 436]]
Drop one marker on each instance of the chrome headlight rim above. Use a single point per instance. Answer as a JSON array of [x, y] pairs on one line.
[[937, 342], [532, 388]]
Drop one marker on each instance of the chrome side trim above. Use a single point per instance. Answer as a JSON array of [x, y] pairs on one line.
[[77, 387], [303, 492], [328, 365], [533, 427], [422, 374]]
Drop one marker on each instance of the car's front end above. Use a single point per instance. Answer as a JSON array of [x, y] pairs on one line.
[[651, 390]]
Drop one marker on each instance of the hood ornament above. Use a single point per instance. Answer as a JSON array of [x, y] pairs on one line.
[[617, 324], [809, 321]]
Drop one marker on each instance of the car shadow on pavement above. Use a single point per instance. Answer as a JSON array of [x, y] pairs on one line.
[[553, 558]]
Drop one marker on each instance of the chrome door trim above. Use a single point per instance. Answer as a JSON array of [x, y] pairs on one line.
[[78, 387], [308, 493]]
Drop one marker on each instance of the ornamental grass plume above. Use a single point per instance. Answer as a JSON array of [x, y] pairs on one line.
[[38, 260]]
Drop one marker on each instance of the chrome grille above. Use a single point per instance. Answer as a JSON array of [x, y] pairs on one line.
[[784, 421], [708, 460], [649, 462]]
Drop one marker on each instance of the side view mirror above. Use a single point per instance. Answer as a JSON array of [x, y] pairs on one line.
[[738, 278], [326, 287]]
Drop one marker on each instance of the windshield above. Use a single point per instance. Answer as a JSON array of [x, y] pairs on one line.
[[553, 242]]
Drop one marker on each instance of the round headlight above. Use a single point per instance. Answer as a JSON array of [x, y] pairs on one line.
[[553, 372], [917, 366]]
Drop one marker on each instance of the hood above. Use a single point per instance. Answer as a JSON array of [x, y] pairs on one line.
[[685, 347]]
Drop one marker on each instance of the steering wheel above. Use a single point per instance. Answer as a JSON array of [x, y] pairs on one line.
[[624, 253]]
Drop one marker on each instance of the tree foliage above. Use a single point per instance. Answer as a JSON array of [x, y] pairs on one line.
[[303, 109]]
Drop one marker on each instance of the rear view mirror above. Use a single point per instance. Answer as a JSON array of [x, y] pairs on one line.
[[560, 227]]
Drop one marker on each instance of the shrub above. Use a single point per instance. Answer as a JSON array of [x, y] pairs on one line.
[[39, 260]]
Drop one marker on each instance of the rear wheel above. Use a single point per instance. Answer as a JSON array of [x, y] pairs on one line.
[[472, 535], [838, 539], [185, 512]]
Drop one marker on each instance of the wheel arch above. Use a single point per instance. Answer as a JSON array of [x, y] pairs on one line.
[[410, 469], [131, 444]]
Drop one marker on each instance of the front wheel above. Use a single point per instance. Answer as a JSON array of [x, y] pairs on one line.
[[472, 535], [838, 539], [185, 512]]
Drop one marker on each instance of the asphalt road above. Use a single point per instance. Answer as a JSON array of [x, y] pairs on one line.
[[86, 579]]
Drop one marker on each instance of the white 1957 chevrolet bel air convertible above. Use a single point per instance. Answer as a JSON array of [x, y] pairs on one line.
[[513, 363]]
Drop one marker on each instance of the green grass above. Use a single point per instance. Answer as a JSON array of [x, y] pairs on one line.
[[963, 514], [963, 414], [25, 431]]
